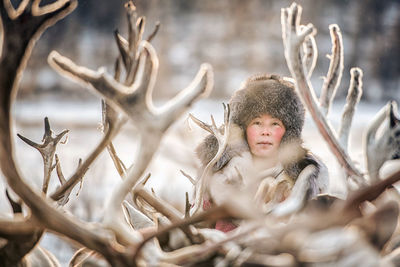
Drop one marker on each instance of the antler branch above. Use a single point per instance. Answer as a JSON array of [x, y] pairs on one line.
[[334, 76], [353, 97], [222, 139], [310, 54], [375, 146], [19, 36], [47, 150], [136, 102], [293, 37]]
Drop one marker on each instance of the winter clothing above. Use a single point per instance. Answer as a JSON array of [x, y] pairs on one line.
[[299, 173]]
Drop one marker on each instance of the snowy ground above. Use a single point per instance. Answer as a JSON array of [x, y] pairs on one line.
[[176, 152]]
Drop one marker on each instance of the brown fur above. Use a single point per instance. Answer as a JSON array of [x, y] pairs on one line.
[[269, 94]]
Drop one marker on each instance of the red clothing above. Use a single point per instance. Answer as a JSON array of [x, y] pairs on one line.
[[224, 225]]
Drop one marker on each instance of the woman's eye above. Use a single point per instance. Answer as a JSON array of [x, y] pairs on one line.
[[257, 123]]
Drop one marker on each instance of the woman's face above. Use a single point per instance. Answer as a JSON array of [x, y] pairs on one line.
[[264, 135]]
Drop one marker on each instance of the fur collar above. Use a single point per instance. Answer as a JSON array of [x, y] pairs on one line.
[[293, 156]]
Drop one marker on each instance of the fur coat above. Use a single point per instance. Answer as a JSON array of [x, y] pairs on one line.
[[282, 190]]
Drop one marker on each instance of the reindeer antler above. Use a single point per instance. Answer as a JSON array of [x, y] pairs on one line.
[[293, 37], [135, 101], [222, 139]]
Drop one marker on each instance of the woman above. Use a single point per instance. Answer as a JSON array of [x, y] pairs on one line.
[[265, 152]]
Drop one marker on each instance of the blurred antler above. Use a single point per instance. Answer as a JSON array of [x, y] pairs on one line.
[[334, 76], [293, 38], [20, 31], [376, 146], [353, 97], [135, 101]]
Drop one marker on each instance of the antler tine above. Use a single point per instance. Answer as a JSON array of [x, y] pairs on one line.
[[12, 12], [142, 95], [47, 150], [28, 141], [37, 10], [292, 41], [123, 47], [135, 35], [201, 124], [131, 18], [353, 97], [334, 76], [62, 180], [47, 130], [310, 54], [129, 48], [295, 15], [153, 34], [227, 115], [213, 125], [187, 205], [110, 116], [61, 135], [117, 69], [60, 174], [285, 25], [140, 24], [222, 143], [191, 180]]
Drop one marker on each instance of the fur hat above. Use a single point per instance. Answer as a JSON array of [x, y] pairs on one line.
[[262, 94], [269, 94]]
